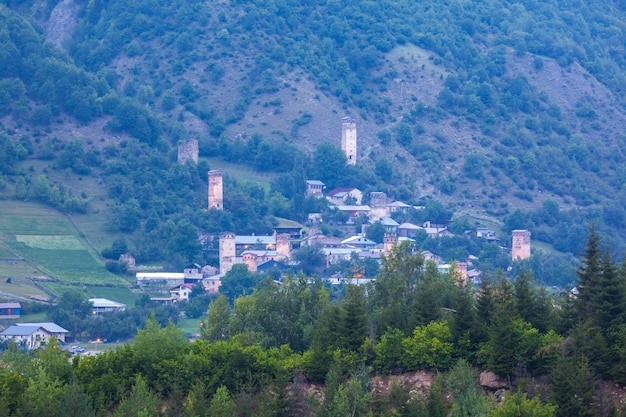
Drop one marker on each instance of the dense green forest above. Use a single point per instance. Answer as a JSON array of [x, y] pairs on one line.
[[140, 76], [264, 353]]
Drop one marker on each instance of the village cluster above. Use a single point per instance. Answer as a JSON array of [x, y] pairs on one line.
[[261, 253]]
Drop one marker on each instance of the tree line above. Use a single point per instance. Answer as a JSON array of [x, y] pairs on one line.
[[257, 348]]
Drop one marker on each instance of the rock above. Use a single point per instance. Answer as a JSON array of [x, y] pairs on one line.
[[492, 381]]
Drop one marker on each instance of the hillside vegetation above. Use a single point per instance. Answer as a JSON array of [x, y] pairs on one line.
[[509, 109]]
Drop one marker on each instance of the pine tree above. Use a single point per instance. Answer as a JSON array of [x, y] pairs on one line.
[[588, 274], [609, 301], [504, 340], [573, 387], [353, 320]]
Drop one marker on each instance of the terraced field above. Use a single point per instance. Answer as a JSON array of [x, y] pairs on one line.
[[49, 246]]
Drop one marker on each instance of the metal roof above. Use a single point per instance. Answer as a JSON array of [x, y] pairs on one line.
[[49, 326], [20, 330]]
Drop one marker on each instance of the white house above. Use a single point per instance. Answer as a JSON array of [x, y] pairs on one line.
[[34, 335]]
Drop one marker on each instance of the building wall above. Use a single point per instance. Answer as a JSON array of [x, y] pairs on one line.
[[251, 261], [521, 245], [227, 252], [348, 139], [216, 190]]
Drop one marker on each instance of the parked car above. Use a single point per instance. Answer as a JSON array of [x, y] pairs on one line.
[[77, 349]]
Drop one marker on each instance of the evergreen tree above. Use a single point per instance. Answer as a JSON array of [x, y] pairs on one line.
[[468, 399], [609, 302], [353, 320], [141, 401], [504, 341], [464, 324], [588, 274], [426, 304], [393, 291], [573, 387]]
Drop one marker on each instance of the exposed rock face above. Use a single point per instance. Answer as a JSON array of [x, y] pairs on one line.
[[491, 381], [62, 21], [418, 383]]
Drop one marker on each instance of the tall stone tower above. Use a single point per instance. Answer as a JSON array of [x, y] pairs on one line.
[[348, 139], [521, 245], [389, 241], [283, 247], [216, 190], [228, 253]]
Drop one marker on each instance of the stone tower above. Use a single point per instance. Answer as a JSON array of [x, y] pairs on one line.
[[348, 139], [188, 150], [216, 190], [521, 245], [389, 241], [283, 248], [228, 253]]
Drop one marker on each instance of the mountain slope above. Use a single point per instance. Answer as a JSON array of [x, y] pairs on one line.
[[488, 106]]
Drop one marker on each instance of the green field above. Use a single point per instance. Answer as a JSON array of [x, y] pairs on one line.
[[51, 246], [120, 295], [242, 173], [189, 326], [21, 287]]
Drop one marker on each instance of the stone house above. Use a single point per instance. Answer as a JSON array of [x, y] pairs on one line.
[[339, 196]]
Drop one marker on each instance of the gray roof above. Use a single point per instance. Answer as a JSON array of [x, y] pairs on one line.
[[388, 221], [20, 330], [409, 226], [398, 204], [49, 326], [314, 182], [253, 240], [10, 305], [103, 302]]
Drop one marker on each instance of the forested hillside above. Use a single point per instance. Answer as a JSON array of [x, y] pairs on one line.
[[508, 109]]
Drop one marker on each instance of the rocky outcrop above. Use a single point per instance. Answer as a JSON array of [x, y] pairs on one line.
[[489, 380], [61, 23]]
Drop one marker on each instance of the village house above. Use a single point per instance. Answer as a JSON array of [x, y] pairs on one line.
[[482, 233], [10, 310], [252, 250], [391, 226], [335, 255], [34, 335], [398, 207], [321, 241], [181, 292], [315, 188], [345, 196], [408, 230], [434, 230], [163, 281], [353, 211], [212, 283], [358, 242]]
